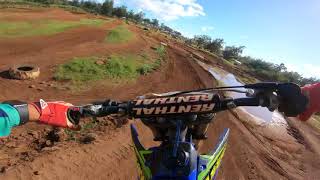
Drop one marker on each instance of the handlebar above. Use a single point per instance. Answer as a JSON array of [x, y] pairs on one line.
[[136, 109], [270, 95]]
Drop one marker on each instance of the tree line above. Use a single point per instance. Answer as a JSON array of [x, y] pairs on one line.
[[107, 8], [264, 70]]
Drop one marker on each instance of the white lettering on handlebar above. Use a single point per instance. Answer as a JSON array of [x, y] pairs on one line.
[[174, 109], [172, 100]]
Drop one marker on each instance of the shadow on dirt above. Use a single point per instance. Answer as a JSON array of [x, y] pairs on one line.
[[5, 74]]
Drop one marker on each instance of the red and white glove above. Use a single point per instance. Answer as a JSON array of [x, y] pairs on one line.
[[57, 113], [313, 94]]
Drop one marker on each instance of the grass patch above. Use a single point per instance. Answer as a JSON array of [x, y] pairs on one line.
[[161, 51], [119, 34], [86, 69], [81, 70], [122, 67], [147, 68], [9, 29]]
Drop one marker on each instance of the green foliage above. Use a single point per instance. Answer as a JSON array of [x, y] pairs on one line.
[[161, 51], [201, 40], [85, 69], [138, 17], [120, 11], [157, 64], [155, 22], [42, 27], [145, 69], [215, 46], [232, 52], [119, 34], [107, 8], [122, 67], [273, 72], [92, 22], [91, 6], [81, 70], [130, 14]]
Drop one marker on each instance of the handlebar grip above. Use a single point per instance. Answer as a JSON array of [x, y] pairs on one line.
[[264, 85], [247, 102], [99, 110], [111, 109]]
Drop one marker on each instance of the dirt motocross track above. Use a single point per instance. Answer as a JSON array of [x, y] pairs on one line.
[[36, 152]]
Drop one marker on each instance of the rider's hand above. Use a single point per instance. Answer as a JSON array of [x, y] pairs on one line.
[[293, 102], [313, 94], [57, 113]]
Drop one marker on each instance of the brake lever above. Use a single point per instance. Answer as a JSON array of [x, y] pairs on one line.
[[267, 97]]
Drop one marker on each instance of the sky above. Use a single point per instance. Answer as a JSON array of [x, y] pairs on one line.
[[278, 31]]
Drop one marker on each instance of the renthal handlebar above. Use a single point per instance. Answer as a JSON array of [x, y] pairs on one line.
[[171, 106], [286, 96]]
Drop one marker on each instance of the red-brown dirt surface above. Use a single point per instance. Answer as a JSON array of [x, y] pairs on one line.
[[35, 151]]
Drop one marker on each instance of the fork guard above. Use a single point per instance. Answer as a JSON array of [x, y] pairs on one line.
[[207, 165]]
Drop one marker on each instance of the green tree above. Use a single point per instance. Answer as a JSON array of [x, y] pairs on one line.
[[281, 67], [130, 15], [155, 22], [74, 3], [232, 52], [91, 6], [139, 17], [165, 28], [107, 8], [147, 21], [120, 11], [215, 46], [311, 80], [202, 40]]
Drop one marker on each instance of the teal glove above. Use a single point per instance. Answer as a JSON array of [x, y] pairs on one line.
[[9, 118]]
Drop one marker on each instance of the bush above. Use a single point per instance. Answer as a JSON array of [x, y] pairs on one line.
[[145, 69], [161, 51], [120, 67], [120, 34], [157, 64]]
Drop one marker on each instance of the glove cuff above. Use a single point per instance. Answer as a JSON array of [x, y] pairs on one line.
[[43, 109], [22, 108]]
